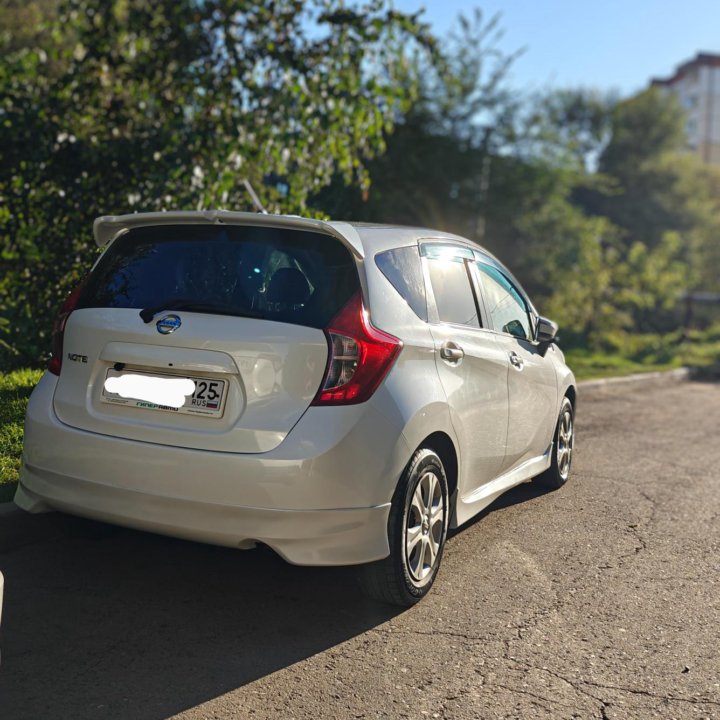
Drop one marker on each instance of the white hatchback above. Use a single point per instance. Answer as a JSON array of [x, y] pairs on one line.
[[341, 393]]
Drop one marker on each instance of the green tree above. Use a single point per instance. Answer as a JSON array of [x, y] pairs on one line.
[[665, 202], [565, 129], [25, 24], [152, 104], [644, 128], [652, 186], [436, 167]]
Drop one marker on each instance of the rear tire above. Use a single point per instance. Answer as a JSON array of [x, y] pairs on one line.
[[563, 445], [417, 529]]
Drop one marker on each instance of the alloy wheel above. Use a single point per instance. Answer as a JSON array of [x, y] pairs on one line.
[[424, 526], [565, 443]]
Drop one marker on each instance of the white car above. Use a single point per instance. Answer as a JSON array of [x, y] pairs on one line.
[[342, 393]]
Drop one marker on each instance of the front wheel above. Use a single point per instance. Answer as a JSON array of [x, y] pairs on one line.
[[417, 529], [559, 471]]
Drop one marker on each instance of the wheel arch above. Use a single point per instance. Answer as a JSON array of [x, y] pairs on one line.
[[442, 445], [430, 427], [571, 395]]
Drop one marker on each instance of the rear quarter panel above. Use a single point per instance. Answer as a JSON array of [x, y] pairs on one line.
[[413, 396]]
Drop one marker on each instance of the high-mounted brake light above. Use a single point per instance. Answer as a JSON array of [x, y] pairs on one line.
[[58, 330], [360, 357]]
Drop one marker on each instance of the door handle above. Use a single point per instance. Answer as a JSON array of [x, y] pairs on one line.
[[452, 352], [516, 361]]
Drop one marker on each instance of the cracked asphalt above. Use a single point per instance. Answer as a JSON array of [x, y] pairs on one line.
[[600, 600]]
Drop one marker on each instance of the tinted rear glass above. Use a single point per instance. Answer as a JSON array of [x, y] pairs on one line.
[[290, 276]]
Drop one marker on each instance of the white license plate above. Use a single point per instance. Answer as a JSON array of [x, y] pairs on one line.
[[208, 397]]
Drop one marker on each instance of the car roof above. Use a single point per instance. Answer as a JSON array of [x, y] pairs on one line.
[[379, 237], [361, 238]]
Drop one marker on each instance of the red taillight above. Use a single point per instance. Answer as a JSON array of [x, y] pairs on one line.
[[360, 357], [58, 330]]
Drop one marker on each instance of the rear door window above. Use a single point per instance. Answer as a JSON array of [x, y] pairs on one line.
[[286, 275], [454, 297]]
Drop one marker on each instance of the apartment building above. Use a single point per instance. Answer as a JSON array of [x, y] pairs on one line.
[[696, 84]]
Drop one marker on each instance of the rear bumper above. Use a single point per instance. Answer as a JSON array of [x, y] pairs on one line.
[[314, 501], [302, 537]]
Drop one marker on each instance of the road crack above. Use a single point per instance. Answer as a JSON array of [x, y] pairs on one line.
[[518, 691], [575, 683]]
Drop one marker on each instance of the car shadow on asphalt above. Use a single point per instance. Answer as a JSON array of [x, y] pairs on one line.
[[112, 623]]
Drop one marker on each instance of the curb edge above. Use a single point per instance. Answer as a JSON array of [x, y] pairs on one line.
[[678, 374]]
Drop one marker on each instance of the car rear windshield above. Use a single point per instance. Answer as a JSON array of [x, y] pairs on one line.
[[291, 276]]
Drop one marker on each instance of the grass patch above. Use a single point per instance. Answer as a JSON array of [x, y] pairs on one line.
[[699, 350], [591, 366], [15, 389]]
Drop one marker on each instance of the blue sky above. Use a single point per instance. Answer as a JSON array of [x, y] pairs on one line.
[[606, 44]]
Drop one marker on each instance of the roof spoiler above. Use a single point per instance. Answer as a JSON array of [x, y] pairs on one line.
[[108, 227]]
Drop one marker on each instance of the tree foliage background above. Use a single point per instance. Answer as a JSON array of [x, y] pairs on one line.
[[348, 109], [153, 104]]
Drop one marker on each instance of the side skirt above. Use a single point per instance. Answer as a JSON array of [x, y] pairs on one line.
[[470, 505]]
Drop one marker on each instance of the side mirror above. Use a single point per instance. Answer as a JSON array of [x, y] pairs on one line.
[[546, 331]]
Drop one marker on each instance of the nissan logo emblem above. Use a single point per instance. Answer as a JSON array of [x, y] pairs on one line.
[[168, 324]]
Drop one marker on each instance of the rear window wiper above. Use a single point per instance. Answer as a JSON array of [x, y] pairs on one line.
[[147, 314]]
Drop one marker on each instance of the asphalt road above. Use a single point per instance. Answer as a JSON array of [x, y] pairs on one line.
[[601, 600]]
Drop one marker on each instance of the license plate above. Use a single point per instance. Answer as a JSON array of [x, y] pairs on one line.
[[208, 397]]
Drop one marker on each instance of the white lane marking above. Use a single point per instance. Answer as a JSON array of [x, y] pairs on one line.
[[161, 391]]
